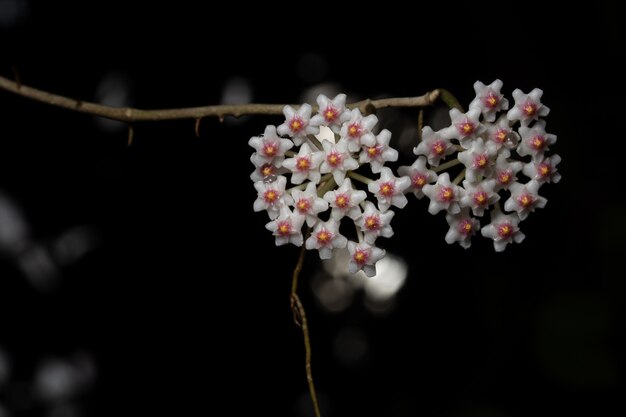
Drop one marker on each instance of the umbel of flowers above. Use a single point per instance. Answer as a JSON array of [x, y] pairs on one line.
[[306, 181]]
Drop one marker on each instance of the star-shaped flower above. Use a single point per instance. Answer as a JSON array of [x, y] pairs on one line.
[[528, 107], [434, 146], [489, 100], [364, 256], [462, 228], [287, 228], [345, 201], [503, 229], [325, 237], [305, 165], [443, 195], [389, 189], [419, 175], [308, 204], [379, 152], [297, 124]]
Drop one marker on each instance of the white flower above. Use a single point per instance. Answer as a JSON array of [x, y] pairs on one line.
[[287, 227], [271, 196], [503, 230], [489, 100], [297, 123], [419, 176], [433, 146], [345, 201], [305, 165], [462, 228], [330, 112], [325, 237], [479, 196], [505, 171], [337, 160], [358, 129], [443, 195], [501, 134], [535, 140], [374, 223], [465, 126], [379, 152], [308, 204], [524, 199], [478, 160], [528, 107], [543, 171], [364, 256], [266, 172], [389, 189], [269, 148]]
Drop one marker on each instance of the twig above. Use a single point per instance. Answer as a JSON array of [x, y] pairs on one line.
[[299, 316], [128, 114]]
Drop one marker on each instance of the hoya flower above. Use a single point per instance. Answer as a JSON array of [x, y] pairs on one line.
[[330, 112], [389, 189], [358, 129], [308, 204], [505, 172], [434, 146], [502, 134], [543, 171], [364, 256], [535, 140], [419, 175], [503, 230], [266, 172], [325, 237], [375, 223], [271, 196], [465, 126], [489, 100], [297, 124], [379, 152], [345, 201], [270, 148], [528, 107], [479, 196], [287, 228], [305, 165], [478, 160], [337, 160], [443, 195], [524, 199], [462, 228]]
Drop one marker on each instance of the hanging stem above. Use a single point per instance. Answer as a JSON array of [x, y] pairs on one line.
[[299, 317]]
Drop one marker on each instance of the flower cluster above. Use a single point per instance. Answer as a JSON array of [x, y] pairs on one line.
[[305, 173], [495, 150], [332, 144]]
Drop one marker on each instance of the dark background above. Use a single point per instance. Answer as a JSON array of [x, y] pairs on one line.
[[178, 296]]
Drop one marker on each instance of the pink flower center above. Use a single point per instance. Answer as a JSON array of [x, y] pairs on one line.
[[538, 142], [303, 163], [333, 158], [284, 228], [465, 227], [303, 205], [387, 189], [270, 196], [418, 180], [466, 128], [500, 136], [355, 130], [504, 177], [360, 256], [267, 170], [270, 149], [505, 230], [481, 198], [446, 194], [544, 170], [439, 148], [323, 237], [481, 161], [491, 101], [330, 114], [372, 222], [342, 200], [529, 108], [373, 151], [525, 200], [296, 124]]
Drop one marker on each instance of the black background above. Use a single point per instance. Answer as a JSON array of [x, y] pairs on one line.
[[184, 303]]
